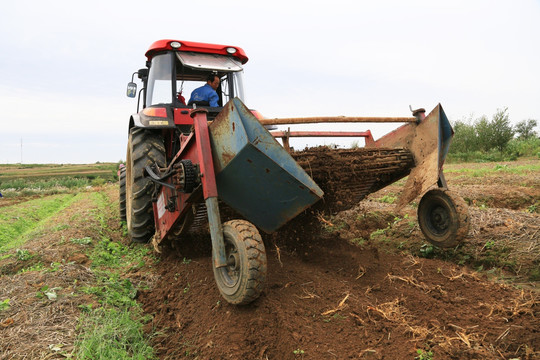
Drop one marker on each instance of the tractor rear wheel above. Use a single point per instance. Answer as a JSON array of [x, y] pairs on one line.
[[123, 194], [443, 217], [144, 148], [243, 279]]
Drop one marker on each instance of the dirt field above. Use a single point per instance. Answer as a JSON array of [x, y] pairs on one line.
[[360, 284]]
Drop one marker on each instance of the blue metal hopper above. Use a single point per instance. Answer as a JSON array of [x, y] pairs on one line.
[[254, 174]]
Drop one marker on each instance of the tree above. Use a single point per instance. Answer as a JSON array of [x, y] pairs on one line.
[[464, 140], [501, 130], [495, 133], [483, 133], [525, 129]]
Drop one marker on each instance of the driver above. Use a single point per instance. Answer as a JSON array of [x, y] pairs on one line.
[[206, 93]]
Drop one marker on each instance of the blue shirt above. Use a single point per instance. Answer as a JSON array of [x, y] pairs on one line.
[[205, 93]]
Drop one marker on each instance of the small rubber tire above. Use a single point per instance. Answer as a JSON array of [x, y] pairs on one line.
[[122, 198], [443, 217], [242, 280], [145, 147]]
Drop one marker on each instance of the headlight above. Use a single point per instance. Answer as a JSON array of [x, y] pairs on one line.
[[175, 44]]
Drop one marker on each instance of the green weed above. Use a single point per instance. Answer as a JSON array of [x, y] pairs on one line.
[[60, 227], [424, 355], [37, 267], [377, 233], [359, 241], [23, 255], [427, 250], [110, 333], [489, 244], [388, 199], [55, 266], [4, 305], [112, 290], [82, 241], [86, 307]]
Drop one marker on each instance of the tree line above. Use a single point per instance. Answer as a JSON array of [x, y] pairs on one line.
[[494, 139]]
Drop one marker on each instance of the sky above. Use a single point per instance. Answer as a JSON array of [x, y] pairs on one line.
[[64, 65]]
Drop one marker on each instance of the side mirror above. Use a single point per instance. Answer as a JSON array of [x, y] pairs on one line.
[[131, 90]]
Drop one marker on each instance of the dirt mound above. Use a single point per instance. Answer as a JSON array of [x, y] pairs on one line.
[[336, 300]]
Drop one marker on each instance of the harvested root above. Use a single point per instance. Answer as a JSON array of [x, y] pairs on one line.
[[340, 306]]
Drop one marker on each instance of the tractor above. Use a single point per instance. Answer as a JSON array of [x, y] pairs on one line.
[[185, 162]]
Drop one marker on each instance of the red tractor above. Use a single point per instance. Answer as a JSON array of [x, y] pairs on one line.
[[176, 163], [184, 161]]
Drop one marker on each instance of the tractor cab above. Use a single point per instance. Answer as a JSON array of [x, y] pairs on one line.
[[176, 68]]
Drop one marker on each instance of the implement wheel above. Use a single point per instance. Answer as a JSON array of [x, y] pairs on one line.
[[144, 148], [443, 217], [123, 194], [242, 280]]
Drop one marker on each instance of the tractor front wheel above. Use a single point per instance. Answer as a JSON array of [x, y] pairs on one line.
[[443, 217], [242, 280], [144, 148]]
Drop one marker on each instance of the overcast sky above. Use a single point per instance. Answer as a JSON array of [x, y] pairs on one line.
[[64, 65]]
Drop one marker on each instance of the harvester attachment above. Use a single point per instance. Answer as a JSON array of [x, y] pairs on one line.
[[442, 214], [417, 149]]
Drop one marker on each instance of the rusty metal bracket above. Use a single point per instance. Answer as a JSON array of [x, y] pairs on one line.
[[428, 140]]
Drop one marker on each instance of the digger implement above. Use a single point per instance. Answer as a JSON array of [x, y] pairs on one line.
[[254, 174], [428, 141]]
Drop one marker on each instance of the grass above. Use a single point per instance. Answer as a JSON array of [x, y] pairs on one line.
[[111, 324], [65, 171], [388, 199], [18, 221], [494, 170], [112, 333], [31, 179], [114, 330]]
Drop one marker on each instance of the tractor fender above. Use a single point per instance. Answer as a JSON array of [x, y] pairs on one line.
[[135, 121], [141, 120]]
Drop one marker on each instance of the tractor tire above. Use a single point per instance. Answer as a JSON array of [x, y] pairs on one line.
[[144, 148], [243, 279], [443, 217], [122, 198]]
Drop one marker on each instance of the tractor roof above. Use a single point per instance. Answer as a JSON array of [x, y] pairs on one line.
[[163, 45]]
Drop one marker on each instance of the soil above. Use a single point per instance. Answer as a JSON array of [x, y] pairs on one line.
[[340, 285], [327, 298], [377, 305]]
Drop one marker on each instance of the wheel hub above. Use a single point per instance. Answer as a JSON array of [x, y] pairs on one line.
[[439, 218], [233, 261]]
